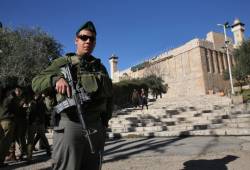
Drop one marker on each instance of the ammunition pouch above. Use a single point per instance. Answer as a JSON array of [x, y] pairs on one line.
[[97, 85], [89, 83]]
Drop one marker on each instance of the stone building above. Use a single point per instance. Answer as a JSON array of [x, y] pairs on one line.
[[195, 68]]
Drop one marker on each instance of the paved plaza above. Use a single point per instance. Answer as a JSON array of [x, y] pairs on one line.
[[166, 153]]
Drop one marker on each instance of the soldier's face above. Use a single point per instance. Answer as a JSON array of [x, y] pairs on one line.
[[85, 42], [18, 91]]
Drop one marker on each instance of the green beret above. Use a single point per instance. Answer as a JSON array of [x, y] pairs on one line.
[[88, 26]]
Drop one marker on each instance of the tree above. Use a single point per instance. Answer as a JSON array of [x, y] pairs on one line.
[[24, 53], [241, 71], [155, 83]]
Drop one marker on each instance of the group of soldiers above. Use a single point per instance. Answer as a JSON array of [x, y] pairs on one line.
[[139, 98], [23, 121]]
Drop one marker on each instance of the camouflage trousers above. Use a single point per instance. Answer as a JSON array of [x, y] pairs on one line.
[[36, 129], [6, 137]]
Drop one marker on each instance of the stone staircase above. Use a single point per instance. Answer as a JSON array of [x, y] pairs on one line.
[[183, 116]]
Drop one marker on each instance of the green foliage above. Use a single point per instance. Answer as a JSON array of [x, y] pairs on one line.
[[24, 53], [123, 90], [242, 56], [246, 95], [155, 84]]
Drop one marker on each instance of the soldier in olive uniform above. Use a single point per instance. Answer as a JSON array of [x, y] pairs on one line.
[[70, 147], [7, 108], [36, 124], [20, 122]]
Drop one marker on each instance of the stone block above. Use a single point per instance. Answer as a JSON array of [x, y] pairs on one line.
[[200, 133], [180, 128], [200, 127], [237, 99], [113, 135], [216, 126], [123, 129], [150, 129]]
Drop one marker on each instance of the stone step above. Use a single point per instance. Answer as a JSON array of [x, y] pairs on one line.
[[123, 129], [150, 129], [202, 115], [113, 126], [240, 116], [239, 125], [183, 127], [207, 132], [236, 120]]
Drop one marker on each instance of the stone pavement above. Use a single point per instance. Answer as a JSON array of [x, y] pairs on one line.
[[190, 153], [166, 153]]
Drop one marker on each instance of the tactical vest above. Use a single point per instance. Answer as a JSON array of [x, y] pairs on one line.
[[93, 78]]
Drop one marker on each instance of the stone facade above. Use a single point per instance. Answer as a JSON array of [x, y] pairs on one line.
[[195, 68]]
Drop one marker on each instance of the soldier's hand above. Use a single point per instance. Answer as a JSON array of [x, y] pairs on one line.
[[63, 87]]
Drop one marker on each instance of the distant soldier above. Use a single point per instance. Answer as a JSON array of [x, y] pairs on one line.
[[135, 98], [144, 99], [71, 147], [7, 108]]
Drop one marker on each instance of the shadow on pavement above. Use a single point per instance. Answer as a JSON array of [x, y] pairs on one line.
[[111, 142], [126, 149], [23, 164], [214, 164]]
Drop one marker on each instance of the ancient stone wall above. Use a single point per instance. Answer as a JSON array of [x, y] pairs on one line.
[[195, 68]]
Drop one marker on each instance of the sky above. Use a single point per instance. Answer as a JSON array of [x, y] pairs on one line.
[[133, 30]]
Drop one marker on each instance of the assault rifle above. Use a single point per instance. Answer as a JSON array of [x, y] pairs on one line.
[[79, 97]]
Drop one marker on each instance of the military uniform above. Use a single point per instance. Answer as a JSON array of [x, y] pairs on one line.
[[70, 148], [7, 108], [36, 125], [20, 125]]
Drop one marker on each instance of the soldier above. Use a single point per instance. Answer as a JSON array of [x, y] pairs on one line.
[[7, 109], [20, 122], [144, 99], [135, 98], [71, 149], [36, 124]]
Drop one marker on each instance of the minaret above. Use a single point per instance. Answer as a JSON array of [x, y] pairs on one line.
[[113, 60], [238, 32]]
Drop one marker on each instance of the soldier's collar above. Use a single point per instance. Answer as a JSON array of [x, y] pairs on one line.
[[75, 59], [72, 58]]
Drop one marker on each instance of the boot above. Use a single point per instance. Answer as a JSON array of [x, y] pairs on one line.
[[48, 152], [2, 165], [29, 152], [11, 157]]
